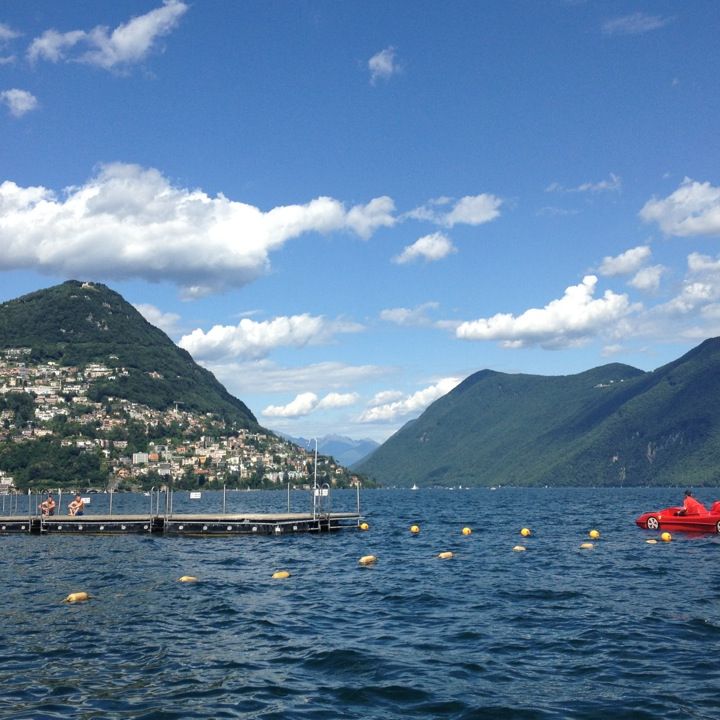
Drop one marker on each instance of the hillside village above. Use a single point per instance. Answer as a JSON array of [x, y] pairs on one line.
[[125, 445]]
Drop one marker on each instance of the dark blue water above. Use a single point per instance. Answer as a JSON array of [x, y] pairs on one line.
[[625, 630]]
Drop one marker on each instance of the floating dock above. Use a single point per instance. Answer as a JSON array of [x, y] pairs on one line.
[[185, 524]]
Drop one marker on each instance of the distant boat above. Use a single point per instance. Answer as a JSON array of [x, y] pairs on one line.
[[414, 487]]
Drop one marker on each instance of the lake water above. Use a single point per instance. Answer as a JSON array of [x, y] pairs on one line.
[[625, 630]]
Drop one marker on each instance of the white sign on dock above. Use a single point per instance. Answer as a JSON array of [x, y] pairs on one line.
[[195, 495], [86, 500]]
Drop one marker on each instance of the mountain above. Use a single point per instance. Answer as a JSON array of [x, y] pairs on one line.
[[612, 425], [345, 450], [77, 323]]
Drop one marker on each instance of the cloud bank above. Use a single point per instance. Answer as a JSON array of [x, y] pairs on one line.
[[308, 402], [566, 321], [388, 412], [130, 222], [251, 340]]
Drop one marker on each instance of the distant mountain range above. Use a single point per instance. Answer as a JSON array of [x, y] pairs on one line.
[[76, 323], [345, 450], [612, 425]]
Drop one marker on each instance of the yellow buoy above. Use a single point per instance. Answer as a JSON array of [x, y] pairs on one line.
[[446, 555], [519, 548], [666, 537], [77, 597], [594, 534], [652, 541], [280, 574], [187, 578], [364, 526], [466, 531], [525, 532], [367, 559], [414, 529], [587, 546]]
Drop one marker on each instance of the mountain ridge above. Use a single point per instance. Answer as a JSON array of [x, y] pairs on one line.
[[81, 322], [610, 425]]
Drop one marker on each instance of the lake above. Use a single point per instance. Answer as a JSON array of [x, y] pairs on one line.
[[624, 630]]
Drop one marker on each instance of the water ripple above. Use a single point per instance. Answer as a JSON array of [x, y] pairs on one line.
[[625, 630]]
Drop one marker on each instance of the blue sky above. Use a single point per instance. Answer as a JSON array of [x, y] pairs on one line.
[[343, 209]]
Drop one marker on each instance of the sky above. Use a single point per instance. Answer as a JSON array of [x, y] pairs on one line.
[[343, 209]]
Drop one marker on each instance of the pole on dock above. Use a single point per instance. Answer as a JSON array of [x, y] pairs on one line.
[[315, 486], [111, 496], [224, 496], [288, 497]]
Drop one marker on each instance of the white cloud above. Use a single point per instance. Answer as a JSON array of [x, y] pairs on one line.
[[164, 320], [265, 376], [566, 321], [336, 400], [635, 24], [7, 34], [250, 339], [383, 65], [308, 402], [126, 44], [693, 209], [613, 183], [385, 397], [474, 210], [429, 248], [303, 404], [698, 263], [410, 405], [648, 279], [366, 219], [416, 316], [130, 222], [628, 262], [51, 45], [468, 210], [19, 102]]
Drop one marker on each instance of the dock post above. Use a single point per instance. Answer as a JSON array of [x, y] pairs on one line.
[[111, 495], [224, 490], [288, 497]]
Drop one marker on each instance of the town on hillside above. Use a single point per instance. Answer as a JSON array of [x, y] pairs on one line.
[[54, 434]]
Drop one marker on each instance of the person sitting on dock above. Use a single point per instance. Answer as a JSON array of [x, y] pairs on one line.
[[691, 506], [47, 507], [77, 506]]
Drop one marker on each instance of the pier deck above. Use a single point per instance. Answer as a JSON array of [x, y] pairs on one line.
[[180, 524]]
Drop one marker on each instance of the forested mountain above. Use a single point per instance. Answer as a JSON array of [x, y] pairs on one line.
[[612, 425], [79, 323]]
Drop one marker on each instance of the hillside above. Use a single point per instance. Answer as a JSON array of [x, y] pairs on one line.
[[79, 323], [611, 425]]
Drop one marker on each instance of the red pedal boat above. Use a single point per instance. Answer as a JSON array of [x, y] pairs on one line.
[[668, 519]]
